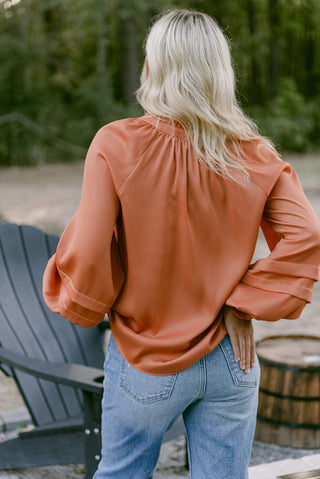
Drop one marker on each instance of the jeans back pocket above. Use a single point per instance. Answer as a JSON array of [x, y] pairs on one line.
[[145, 388], [240, 378]]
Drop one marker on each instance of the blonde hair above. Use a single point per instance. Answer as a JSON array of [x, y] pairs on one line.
[[188, 78]]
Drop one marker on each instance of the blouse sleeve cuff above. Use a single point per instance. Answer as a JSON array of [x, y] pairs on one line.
[[61, 298], [264, 305], [78, 315], [240, 314]]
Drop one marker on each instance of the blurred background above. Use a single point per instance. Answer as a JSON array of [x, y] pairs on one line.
[[69, 67]]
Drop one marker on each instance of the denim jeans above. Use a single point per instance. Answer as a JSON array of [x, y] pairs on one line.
[[218, 402]]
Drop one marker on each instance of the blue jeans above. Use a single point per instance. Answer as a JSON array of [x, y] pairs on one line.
[[218, 402]]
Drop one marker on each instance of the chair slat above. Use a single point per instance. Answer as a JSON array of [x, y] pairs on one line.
[[30, 387]]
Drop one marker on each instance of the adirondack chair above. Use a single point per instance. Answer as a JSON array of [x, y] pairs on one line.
[[56, 365]]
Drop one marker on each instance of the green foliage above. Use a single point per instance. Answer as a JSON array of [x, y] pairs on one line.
[[289, 120], [71, 67]]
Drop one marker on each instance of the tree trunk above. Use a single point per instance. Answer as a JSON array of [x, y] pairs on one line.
[[102, 42], [255, 70], [274, 46], [130, 70]]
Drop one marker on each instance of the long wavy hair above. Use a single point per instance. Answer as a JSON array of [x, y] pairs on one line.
[[188, 78]]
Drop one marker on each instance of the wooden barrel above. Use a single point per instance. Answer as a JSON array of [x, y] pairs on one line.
[[289, 396]]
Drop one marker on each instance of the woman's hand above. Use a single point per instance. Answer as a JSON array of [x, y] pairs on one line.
[[242, 339]]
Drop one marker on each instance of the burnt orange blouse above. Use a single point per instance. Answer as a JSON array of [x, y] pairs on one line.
[[161, 243]]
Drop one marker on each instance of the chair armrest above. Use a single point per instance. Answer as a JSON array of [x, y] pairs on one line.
[[74, 375]]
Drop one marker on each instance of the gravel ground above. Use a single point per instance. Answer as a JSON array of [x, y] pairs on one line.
[[47, 196]]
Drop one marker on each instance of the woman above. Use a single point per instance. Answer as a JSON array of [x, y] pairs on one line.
[[162, 241]]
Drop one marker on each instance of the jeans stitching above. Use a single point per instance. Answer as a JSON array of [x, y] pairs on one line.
[[203, 377]]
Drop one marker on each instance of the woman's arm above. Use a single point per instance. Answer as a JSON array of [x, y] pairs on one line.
[[280, 285], [84, 277]]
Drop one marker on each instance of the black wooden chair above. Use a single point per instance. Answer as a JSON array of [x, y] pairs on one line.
[[56, 365]]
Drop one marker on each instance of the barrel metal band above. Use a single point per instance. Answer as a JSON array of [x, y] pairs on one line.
[[286, 367], [287, 396], [292, 425]]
